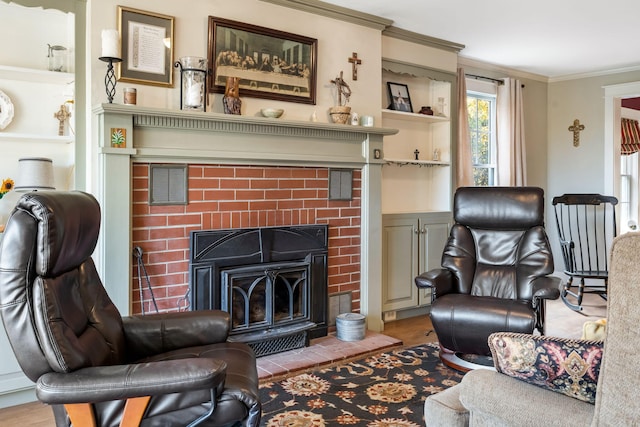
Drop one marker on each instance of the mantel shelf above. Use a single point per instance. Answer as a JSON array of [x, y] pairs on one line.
[[414, 117], [25, 137], [165, 118], [404, 162]]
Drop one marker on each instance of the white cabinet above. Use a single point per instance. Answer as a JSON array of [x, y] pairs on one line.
[[412, 243]]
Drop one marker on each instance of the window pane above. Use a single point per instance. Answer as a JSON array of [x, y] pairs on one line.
[[481, 110], [481, 176]]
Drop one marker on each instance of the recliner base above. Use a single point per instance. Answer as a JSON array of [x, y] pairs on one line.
[[454, 360]]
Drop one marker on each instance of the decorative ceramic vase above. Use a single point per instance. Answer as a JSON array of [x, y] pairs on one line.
[[231, 100], [340, 114], [426, 111]]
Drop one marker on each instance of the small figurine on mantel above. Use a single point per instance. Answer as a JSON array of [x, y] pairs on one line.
[[62, 115], [231, 100], [341, 113]]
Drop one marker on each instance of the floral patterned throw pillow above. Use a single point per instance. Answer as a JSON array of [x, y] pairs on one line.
[[565, 366]]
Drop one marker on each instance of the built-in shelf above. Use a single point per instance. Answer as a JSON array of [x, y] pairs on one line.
[[404, 162], [25, 137], [32, 75], [424, 118]]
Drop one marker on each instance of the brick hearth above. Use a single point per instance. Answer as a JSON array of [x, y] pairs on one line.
[[233, 196]]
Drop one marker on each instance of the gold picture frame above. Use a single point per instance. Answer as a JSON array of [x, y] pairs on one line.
[[270, 64], [147, 47]]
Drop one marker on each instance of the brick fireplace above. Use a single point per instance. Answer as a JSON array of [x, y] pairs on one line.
[[235, 196], [243, 171]]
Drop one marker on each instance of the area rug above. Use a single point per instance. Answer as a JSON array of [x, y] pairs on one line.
[[382, 390]]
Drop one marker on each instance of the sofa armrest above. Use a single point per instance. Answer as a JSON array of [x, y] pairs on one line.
[[496, 399], [119, 382], [159, 333], [440, 280]]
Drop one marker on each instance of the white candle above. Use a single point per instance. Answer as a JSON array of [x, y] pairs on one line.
[[110, 43], [193, 95]]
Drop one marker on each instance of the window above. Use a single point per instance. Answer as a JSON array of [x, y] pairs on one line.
[[482, 129]]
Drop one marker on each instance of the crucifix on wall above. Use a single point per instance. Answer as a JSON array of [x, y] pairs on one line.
[[62, 115], [354, 65], [576, 128]]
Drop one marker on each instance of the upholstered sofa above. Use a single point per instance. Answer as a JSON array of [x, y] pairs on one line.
[[487, 398]]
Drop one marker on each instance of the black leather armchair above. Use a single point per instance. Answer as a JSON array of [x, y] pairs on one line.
[[94, 366], [495, 268]]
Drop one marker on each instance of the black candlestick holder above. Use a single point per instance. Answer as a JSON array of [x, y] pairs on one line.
[[110, 77]]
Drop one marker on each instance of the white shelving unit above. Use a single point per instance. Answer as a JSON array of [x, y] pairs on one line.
[[35, 138], [405, 162], [416, 190], [34, 75], [419, 118], [418, 160]]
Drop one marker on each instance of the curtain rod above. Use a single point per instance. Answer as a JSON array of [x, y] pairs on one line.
[[477, 77]]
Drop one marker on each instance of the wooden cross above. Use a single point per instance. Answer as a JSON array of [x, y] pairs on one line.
[[354, 65], [576, 128], [62, 115]]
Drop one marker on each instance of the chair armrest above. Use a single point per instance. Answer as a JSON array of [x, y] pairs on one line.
[[440, 280], [159, 333], [545, 287], [119, 382]]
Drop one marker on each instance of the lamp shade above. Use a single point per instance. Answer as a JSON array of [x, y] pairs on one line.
[[35, 173]]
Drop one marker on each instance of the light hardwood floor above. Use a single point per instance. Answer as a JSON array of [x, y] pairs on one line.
[[561, 322]]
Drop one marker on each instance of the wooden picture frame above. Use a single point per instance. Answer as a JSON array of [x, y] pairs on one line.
[[270, 64], [399, 98], [147, 47]]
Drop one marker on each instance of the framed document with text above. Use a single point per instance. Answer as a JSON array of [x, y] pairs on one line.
[[147, 47]]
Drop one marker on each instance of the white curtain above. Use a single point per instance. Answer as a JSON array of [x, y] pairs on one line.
[[512, 167], [464, 165]]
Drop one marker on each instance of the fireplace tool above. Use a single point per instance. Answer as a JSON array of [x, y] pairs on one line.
[[137, 252]]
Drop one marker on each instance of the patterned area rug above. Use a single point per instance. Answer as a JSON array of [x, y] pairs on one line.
[[383, 390]]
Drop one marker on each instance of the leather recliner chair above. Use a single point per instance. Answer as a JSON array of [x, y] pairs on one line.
[[495, 268], [93, 365]]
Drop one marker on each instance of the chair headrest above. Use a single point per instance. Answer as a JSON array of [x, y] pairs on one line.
[[499, 208], [68, 223]]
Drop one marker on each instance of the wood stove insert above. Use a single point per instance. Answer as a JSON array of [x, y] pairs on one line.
[[271, 280]]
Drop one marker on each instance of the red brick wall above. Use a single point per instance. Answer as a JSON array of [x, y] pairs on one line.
[[223, 196]]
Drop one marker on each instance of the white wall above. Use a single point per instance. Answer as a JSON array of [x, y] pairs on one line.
[[577, 169]]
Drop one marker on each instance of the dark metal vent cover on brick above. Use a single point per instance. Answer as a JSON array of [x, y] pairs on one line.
[[271, 280]]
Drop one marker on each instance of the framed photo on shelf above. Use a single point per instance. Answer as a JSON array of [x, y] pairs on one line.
[[399, 97], [147, 47], [270, 64]]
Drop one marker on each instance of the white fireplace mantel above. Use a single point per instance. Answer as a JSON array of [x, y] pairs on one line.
[[174, 136]]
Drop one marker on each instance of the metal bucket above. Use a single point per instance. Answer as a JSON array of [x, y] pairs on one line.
[[350, 326]]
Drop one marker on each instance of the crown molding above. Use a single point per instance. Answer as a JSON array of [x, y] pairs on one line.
[[336, 12], [594, 74], [413, 37], [508, 72]]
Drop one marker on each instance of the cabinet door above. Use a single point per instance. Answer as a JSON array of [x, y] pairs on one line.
[[433, 237], [400, 263]]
